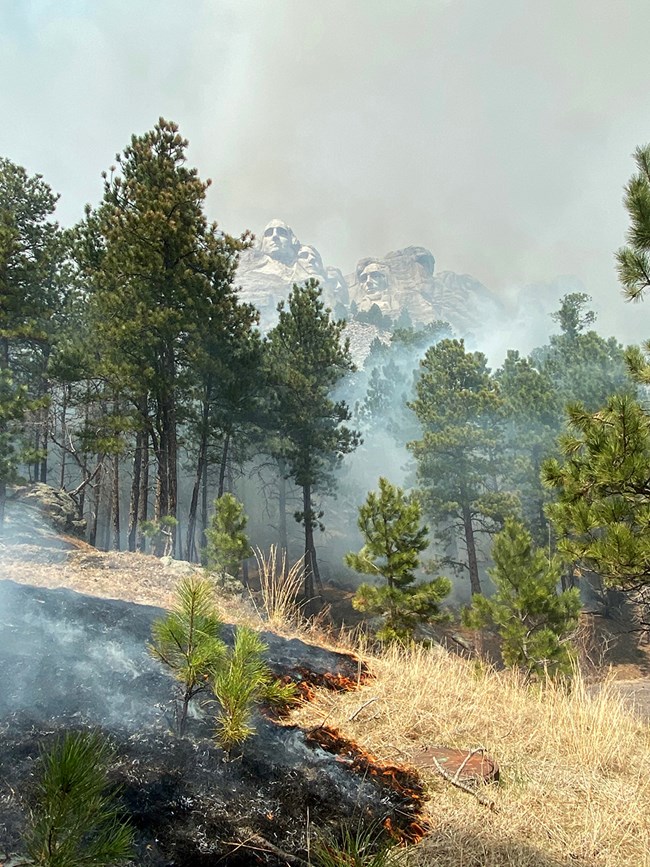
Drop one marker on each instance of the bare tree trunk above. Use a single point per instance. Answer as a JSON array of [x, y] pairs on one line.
[[190, 542], [282, 512], [143, 497], [470, 542], [64, 428], [45, 435], [134, 502], [172, 466], [312, 575], [92, 536], [224, 463], [204, 505], [115, 502]]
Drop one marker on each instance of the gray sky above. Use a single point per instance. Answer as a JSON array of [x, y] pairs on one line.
[[498, 133]]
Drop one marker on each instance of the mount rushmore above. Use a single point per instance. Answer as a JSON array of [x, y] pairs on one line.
[[398, 283]]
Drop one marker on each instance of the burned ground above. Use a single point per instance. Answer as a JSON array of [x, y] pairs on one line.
[[73, 661]]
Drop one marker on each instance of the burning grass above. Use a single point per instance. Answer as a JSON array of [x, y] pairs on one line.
[[575, 766]]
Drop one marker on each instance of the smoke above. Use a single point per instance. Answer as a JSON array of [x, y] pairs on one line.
[[498, 134]]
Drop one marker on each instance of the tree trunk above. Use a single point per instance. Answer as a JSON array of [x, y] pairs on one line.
[[64, 408], [134, 502], [115, 503], [470, 542], [143, 497], [44, 443], [4, 364], [92, 535], [190, 542], [172, 467], [312, 576], [204, 506], [224, 464]]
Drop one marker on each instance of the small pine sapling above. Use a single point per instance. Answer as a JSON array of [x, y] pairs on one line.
[[243, 681], [227, 542], [76, 818], [188, 641], [532, 618], [394, 539]]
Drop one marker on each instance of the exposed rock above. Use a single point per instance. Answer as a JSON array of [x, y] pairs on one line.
[[361, 336], [56, 506], [401, 282], [268, 271]]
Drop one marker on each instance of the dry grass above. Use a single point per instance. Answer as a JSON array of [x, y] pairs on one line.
[[575, 767], [280, 585]]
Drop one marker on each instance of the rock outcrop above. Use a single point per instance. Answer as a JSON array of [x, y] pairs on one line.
[[403, 283]]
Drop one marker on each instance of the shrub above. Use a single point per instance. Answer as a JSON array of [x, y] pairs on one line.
[[76, 820]]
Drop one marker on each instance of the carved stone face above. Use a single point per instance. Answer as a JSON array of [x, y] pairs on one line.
[[373, 279], [309, 258], [337, 286], [279, 242]]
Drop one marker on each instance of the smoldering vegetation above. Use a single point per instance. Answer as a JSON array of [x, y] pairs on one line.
[[72, 661]]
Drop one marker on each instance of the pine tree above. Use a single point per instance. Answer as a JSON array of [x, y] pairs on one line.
[[634, 259], [30, 252], [158, 272], [460, 454], [532, 618], [227, 542], [243, 681], [188, 641], [603, 492], [393, 541], [306, 359], [531, 422], [580, 364], [76, 820]]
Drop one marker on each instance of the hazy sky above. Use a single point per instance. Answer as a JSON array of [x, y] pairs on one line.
[[498, 133]]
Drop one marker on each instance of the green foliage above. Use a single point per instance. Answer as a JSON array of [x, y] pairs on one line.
[[160, 533], [634, 259], [356, 847], [572, 316], [306, 357], [531, 421], [533, 620], [188, 641], [159, 276], [227, 542], [581, 365], [393, 541], [76, 820], [242, 681], [602, 484], [460, 458]]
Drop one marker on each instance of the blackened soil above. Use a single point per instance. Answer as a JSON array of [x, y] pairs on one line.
[[69, 661]]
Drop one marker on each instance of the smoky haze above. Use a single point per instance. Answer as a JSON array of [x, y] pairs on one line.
[[498, 133]]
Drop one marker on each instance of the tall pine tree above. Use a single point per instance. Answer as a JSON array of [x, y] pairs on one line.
[[307, 356]]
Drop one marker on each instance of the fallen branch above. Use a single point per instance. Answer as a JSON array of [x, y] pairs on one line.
[[359, 709], [459, 784], [257, 843]]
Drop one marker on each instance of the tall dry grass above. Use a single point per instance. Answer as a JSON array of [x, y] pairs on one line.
[[575, 764], [280, 585]]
